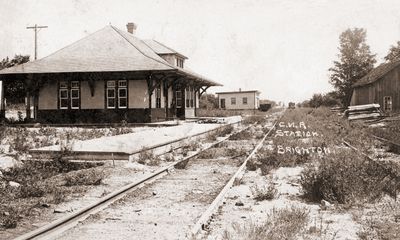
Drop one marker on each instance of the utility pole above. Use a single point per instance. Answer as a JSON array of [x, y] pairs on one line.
[[28, 82], [36, 28]]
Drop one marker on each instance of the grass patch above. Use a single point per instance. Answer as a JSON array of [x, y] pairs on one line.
[[38, 182], [267, 160], [347, 177], [280, 224]]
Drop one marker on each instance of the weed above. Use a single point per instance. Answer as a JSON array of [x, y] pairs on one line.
[[192, 146], [252, 164], [147, 157], [264, 193]]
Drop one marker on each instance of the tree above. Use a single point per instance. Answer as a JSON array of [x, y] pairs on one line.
[[394, 53], [208, 101], [14, 91], [326, 100], [355, 61]]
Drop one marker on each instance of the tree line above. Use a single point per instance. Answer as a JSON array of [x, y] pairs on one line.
[[355, 60]]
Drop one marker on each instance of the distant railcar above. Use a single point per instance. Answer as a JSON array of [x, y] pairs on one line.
[[265, 107]]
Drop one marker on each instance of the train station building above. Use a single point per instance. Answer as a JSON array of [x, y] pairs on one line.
[[109, 76]]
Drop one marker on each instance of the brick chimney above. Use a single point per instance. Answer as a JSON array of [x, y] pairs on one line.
[[131, 28]]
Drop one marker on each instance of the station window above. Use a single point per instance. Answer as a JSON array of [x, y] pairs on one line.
[[233, 101], [110, 94], [122, 94], [387, 103], [178, 99], [75, 95], [117, 94], [69, 95], [179, 62], [245, 101], [63, 95]]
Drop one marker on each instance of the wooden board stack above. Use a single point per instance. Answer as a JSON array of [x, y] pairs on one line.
[[364, 112]]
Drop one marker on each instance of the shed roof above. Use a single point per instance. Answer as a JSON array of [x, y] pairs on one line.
[[376, 73], [107, 50]]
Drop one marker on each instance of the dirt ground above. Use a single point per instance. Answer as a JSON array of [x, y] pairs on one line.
[[328, 223], [164, 209], [116, 177]]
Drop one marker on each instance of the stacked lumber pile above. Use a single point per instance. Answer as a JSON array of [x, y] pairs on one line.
[[364, 112]]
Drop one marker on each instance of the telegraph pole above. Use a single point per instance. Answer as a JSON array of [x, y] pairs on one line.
[[36, 28], [28, 82]]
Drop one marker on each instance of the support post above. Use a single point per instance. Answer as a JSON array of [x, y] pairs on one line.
[[2, 103], [28, 106]]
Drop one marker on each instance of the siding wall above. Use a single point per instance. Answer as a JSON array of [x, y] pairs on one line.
[[95, 102], [48, 96], [138, 95], [388, 85], [170, 58], [251, 100]]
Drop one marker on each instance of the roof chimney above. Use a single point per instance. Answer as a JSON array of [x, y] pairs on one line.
[[240, 89], [131, 27]]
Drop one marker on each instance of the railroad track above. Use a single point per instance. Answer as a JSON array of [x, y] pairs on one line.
[[391, 174], [63, 224], [389, 142]]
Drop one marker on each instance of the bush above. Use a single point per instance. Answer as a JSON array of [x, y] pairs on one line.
[[347, 177]]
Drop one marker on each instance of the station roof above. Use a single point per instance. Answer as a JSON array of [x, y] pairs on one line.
[[107, 50]]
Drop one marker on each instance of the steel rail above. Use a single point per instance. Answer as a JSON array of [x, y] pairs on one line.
[[204, 218], [379, 163], [386, 140], [108, 199]]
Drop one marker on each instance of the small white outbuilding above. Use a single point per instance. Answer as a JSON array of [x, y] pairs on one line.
[[239, 100]]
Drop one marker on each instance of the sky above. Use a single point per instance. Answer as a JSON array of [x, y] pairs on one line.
[[283, 48]]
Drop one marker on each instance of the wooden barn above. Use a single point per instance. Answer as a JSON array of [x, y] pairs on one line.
[[381, 85], [109, 76]]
